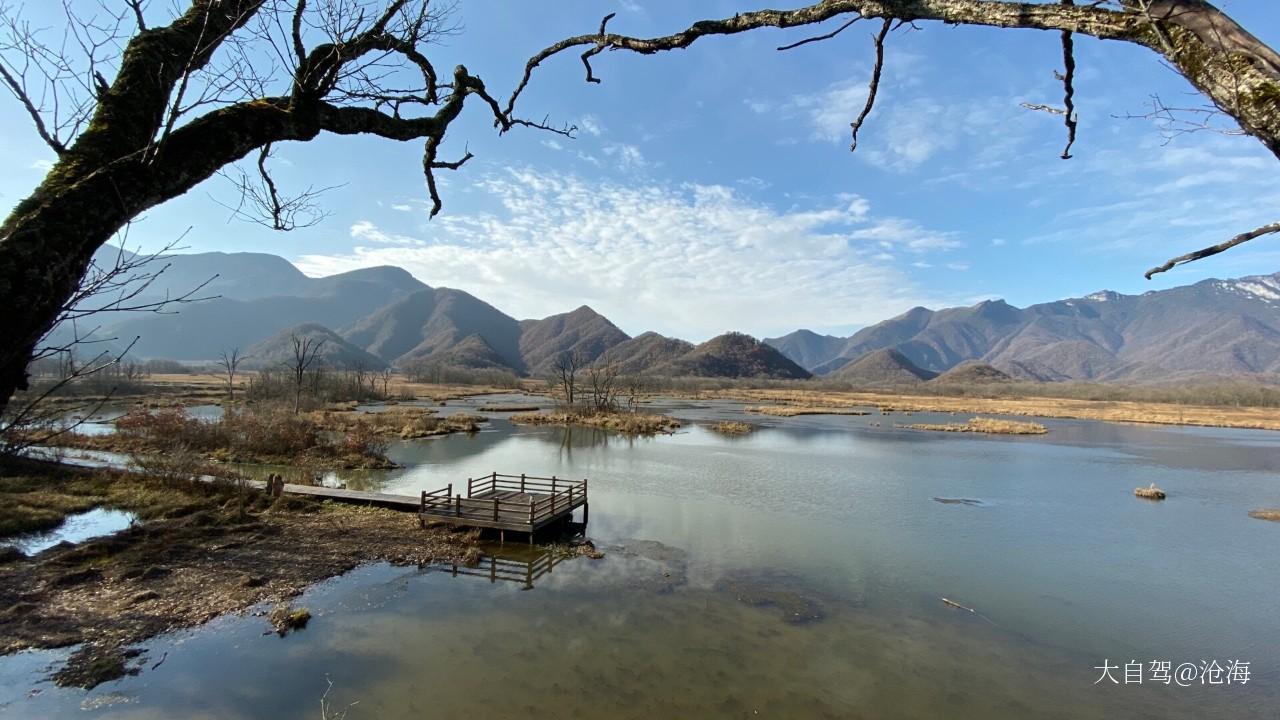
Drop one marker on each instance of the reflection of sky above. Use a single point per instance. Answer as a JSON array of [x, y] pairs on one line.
[[835, 512]]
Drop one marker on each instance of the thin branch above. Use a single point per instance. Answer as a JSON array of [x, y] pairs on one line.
[[1215, 249], [20, 93], [136, 6], [1068, 87], [873, 87], [819, 38]]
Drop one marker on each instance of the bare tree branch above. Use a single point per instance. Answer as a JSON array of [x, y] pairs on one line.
[[819, 38], [1215, 249], [1068, 87], [874, 85]]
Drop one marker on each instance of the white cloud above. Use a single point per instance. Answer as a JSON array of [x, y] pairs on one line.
[[997, 242], [692, 260], [366, 231], [401, 207], [552, 144], [590, 124], [907, 234], [627, 157], [43, 166]]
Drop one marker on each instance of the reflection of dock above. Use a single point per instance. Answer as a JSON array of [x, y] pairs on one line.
[[510, 569], [522, 503]]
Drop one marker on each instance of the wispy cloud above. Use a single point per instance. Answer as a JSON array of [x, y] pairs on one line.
[[590, 124], [692, 260], [366, 231]]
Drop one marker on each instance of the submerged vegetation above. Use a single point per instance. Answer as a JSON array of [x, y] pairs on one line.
[[1272, 515], [732, 427], [1151, 492], [985, 425]]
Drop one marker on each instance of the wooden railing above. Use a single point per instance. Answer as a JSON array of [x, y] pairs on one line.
[[539, 498]]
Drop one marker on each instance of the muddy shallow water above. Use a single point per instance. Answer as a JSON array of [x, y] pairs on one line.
[[794, 572]]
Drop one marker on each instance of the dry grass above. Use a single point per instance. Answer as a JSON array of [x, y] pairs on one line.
[[1272, 515], [1111, 411], [1150, 492], [508, 407], [405, 422], [985, 425], [623, 422], [250, 434], [794, 410], [732, 427]]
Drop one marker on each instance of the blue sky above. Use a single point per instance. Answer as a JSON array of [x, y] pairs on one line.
[[713, 189]]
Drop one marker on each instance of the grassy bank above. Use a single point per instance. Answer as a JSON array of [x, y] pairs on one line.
[[623, 422], [991, 426], [404, 422], [1266, 418], [258, 434], [194, 557], [795, 410]]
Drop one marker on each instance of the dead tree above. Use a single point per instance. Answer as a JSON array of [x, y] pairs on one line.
[[1236, 71], [306, 351], [602, 381], [230, 362], [140, 102], [564, 373]]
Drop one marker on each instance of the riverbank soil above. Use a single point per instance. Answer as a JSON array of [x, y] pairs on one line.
[[193, 556]]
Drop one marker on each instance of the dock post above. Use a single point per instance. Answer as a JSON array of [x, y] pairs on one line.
[[422, 508], [586, 507], [521, 482], [495, 509], [457, 508], [468, 487]]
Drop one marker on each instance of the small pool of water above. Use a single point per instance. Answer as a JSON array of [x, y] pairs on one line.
[[75, 529]]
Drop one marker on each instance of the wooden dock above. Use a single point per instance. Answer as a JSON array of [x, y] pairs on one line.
[[521, 503]]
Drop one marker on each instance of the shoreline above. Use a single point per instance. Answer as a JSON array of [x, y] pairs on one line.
[[1117, 411], [194, 557]]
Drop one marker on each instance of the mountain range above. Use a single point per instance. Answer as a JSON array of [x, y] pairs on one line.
[[383, 316]]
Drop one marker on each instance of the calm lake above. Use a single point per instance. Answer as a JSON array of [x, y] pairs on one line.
[[796, 572]]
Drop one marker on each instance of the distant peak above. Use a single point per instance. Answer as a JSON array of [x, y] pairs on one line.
[[1103, 296]]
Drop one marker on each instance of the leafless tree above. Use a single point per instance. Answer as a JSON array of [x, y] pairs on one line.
[[116, 283], [385, 376], [306, 351], [602, 384], [141, 101], [564, 374], [1238, 73], [229, 362]]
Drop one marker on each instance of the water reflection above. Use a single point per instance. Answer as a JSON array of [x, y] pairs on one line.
[[796, 571], [525, 566]]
